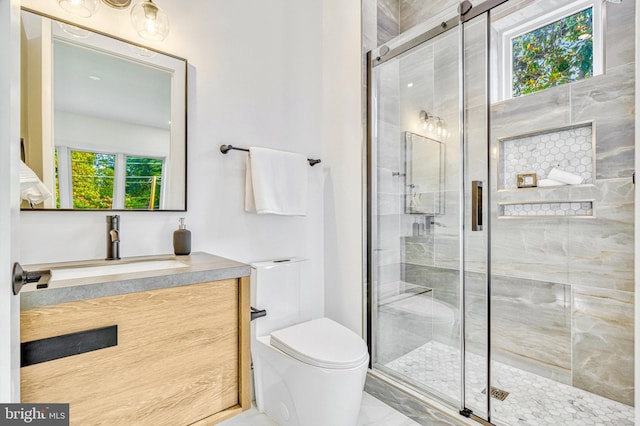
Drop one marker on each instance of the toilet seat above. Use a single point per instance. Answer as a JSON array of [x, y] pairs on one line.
[[322, 343]]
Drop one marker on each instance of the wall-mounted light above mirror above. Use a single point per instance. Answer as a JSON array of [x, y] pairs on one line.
[[147, 18], [103, 120]]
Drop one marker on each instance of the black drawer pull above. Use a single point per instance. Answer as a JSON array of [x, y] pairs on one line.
[[43, 350]]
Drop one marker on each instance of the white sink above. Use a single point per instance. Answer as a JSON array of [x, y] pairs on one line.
[[116, 268]]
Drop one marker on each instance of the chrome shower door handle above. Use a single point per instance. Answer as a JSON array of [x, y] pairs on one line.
[[476, 205]]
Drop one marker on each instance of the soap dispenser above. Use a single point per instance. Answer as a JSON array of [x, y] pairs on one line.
[[182, 239]]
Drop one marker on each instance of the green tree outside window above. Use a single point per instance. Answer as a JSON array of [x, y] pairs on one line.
[[143, 183], [92, 180], [558, 53]]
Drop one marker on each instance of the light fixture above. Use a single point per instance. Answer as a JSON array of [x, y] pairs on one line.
[[150, 21], [427, 120], [81, 8], [117, 4], [86, 8], [431, 122]]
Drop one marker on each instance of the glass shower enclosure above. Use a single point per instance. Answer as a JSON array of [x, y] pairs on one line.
[[494, 288]]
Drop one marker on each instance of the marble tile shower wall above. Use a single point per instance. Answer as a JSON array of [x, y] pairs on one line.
[[395, 17], [404, 89], [389, 182], [429, 81], [388, 20], [592, 258]]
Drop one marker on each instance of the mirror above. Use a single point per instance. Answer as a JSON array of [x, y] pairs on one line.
[[424, 175], [103, 121]]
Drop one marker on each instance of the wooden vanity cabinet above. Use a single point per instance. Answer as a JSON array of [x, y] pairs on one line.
[[182, 356]]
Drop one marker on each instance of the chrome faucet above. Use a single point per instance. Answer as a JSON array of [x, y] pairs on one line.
[[113, 237]]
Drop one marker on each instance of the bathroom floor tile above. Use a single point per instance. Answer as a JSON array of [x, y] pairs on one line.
[[532, 399], [251, 417], [373, 412]]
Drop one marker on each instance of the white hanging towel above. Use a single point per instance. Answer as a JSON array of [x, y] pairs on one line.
[[31, 187], [276, 182]]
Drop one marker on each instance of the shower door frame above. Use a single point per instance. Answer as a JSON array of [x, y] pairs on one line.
[[467, 12]]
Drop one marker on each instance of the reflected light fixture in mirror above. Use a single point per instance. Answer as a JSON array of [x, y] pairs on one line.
[[150, 21], [74, 31], [431, 123]]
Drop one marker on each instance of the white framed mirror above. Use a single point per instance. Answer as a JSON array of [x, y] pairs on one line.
[[103, 121]]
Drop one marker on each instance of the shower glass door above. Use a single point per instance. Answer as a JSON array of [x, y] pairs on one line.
[[415, 217], [501, 213]]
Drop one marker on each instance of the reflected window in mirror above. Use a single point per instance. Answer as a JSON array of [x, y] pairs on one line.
[[93, 180], [103, 120]]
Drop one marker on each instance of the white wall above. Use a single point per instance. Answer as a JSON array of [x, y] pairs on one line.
[[343, 155], [104, 135], [283, 74], [255, 78], [9, 198]]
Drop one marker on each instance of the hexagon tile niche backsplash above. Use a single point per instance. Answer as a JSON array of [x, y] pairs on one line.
[[578, 209], [569, 149]]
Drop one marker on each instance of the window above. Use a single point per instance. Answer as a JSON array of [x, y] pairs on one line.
[[552, 48], [92, 177], [93, 180], [143, 183]]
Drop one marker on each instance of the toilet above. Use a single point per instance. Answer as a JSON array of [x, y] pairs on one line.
[[307, 372]]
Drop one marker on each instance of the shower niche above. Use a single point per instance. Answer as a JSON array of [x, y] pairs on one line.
[[558, 160], [569, 150]]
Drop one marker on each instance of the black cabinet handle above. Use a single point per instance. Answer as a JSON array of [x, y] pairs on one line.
[[43, 350], [257, 313]]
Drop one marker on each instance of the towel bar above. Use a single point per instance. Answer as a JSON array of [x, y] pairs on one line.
[[226, 148]]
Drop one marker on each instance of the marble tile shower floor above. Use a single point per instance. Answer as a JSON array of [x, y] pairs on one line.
[[532, 400]]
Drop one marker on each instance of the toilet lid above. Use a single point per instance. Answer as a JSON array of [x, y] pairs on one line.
[[322, 343]]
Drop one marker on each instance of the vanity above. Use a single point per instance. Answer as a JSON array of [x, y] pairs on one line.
[[165, 343]]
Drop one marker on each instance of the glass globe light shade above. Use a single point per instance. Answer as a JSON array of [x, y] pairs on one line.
[[150, 21], [430, 125], [441, 127], [81, 8]]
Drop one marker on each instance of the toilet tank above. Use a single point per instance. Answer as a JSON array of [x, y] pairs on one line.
[[283, 288]]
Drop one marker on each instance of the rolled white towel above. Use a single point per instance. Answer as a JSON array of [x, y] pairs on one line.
[[31, 188], [550, 182], [565, 177]]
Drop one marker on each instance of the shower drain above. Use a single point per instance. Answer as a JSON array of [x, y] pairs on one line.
[[498, 394]]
